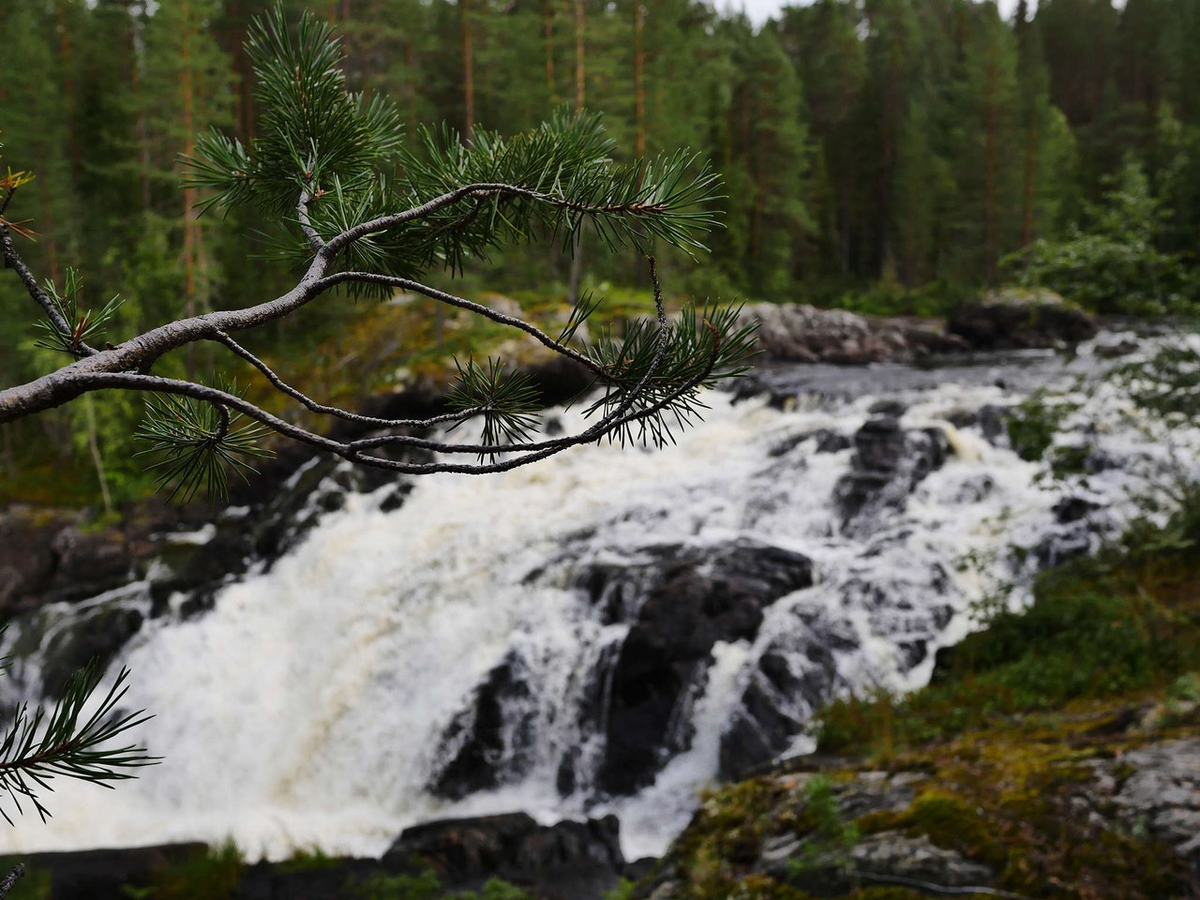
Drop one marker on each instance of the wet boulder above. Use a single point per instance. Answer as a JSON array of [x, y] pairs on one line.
[[888, 463], [493, 737], [697, 599], [565, 860], [1019, 320], [795, 676]]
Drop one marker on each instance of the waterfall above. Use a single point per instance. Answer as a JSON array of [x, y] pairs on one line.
[[462, 653]]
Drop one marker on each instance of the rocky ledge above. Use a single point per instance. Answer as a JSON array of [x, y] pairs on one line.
[[999, 320], [1108, 807], [565, 861]]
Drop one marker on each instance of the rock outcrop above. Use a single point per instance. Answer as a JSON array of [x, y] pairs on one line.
[[1019, 320], [803, 333]]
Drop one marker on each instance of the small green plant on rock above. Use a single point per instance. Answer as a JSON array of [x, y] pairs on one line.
[[832, 840]]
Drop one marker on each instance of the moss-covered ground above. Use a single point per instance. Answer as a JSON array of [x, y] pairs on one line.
[[1004, 749]]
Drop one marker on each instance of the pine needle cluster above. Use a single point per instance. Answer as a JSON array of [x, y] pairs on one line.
[[367, 211]]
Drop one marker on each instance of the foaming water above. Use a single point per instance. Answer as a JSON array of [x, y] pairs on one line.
[[311, 706]]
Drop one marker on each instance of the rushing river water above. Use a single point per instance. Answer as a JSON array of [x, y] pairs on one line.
[[323, 700]]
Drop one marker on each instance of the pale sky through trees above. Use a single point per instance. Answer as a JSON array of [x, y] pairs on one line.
[[761, 10]]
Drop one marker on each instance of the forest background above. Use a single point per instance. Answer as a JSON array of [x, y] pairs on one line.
[[886, 156]]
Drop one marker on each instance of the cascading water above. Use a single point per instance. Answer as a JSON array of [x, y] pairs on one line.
[[474, 650]]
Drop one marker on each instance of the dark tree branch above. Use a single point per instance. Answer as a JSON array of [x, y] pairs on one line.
[[13, 876], [314, 240], [284, 388], [13, 260], [416, 287]]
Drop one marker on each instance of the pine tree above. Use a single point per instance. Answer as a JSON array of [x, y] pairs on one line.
[[366, 212]]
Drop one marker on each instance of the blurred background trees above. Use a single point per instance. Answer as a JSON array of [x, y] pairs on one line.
[[886, 155]]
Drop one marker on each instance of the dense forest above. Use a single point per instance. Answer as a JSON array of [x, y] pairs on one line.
[[884, 155]]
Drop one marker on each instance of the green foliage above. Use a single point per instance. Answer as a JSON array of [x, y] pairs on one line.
[[1112, 263], [1034, 422], [69, 741], [84, 326], [831, 840], [664, 378], [199, 443], [309, 859], [507, 401], [623, 891], [211, 874], [314, 132]]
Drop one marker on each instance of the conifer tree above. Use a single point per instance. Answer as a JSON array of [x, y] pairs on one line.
[[367, 212]]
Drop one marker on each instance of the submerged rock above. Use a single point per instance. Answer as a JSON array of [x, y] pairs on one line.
[[888, 463], [699, 598]]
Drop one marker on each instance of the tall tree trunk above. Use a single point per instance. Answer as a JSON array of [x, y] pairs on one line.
[[989, 172], [137, 60], [1027, 191], [410, 83], [639, 80], [94, 451], [468, 69], [64, 42], [580, 96], [548, 41]]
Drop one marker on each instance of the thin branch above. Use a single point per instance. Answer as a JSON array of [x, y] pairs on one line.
[[425, 209], [461, 303], [13, 876], [13, 260], [314, 240], [527, 453], [617, 418], [382, 223], [284, 388]]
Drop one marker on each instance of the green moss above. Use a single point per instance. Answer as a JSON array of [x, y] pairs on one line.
[[211, 874], [309, 859]]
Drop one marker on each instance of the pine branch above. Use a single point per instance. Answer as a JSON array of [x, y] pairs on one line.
[[324, 162], [69, 742]]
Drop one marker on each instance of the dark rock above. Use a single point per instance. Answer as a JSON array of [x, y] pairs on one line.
[[98, 635], [1112, 349], [100, 874], [826, 442], [879, 445], [1054, 549], [494, 735], [700, 598], [329, 881], [1073, 509], [1017, 326], [803, 333], [568, 860], [832, 441], [891, 408], [888, 463], [797, 674]]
